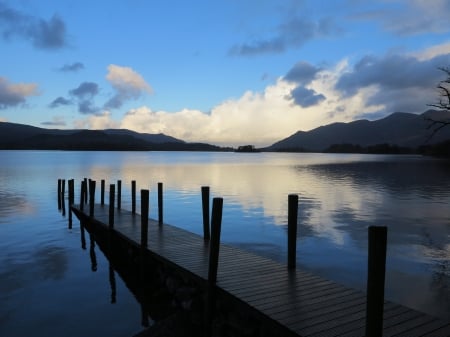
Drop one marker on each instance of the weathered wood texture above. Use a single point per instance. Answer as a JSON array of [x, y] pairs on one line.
[[303, 303]]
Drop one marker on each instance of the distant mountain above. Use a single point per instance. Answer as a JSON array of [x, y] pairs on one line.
[[399, 129], [19, 136]]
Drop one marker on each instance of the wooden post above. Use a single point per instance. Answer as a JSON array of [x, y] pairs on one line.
[[119, 194], [216, 224], [292, 230], [71, 200], [83, 188], [160, 203], [376, 271], [133, 196], [63, 194], [144, 217], [91, 197], [102, 192], [205, 210], [59, 194], [112, 193]]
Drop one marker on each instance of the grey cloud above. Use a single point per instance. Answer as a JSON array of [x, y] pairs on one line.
[[85, 90], [54, 123], [411, 17], [306, 97], [293, 33], [60, 101], [43, 34], [85, 94], [404, 83], [72, 67], [302, 73]]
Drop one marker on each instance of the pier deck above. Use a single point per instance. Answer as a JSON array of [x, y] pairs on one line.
[[303, 303]]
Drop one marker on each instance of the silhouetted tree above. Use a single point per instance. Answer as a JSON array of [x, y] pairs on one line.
[[443, 104]]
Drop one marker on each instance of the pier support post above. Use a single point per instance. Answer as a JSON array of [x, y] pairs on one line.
[[375, 280], [112, 192], [71, 200], [133, 196], [59, 194], [82, 191], [160, 203], [119, 194], [102, 192], [85, 196], [205, 212], [91, 197], [144, 217], [63, 194], [216, 224], [292, 230]]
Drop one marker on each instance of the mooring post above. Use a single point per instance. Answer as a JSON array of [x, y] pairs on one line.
[[133, 196], [91, 197], [63, 194], [376, 271], [160, 203], [59, 194], [83, 188], [144, 217], [102, 192], [71, 200], [112, 192], [119, 194], [205, 211], [216, 224], [292, 230]]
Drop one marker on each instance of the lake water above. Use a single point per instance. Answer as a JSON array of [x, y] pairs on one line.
[[47, 283]]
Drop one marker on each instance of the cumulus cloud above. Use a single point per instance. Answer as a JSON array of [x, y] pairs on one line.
[[372, 87], [84, 94], [128, 85], [99, 121], [292, 33], [43, 34], [72, 67], [14, 94], [401, 82]]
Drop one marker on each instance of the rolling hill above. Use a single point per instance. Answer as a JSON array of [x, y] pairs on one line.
[[399, 129]]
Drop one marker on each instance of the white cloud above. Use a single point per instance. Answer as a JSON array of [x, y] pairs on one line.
[[97, 122], [432, 52], [127, 84], [12, 94]]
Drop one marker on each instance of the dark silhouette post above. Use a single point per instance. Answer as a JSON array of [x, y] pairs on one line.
[[91, 197], [144, 217], [133, 196], [63, 194], [102, 192], [92, 253], [292, 230], [112, 192], [160, 203], [59, 194], [205, 211], [119, 194], [71, 200], [375, 280], [216, 224], [83, 189]]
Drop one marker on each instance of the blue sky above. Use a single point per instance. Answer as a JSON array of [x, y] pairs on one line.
[[227, 72]]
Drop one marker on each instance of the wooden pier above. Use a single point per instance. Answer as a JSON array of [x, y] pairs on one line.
[[295, 302]]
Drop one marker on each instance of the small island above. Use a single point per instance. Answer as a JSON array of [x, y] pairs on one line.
[[247, 148]]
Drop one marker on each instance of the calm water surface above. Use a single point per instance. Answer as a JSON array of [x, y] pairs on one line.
[[48, 286]]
